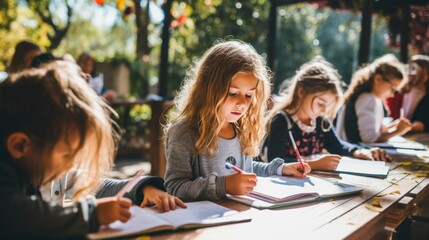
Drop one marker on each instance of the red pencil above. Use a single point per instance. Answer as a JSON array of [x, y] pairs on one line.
[[296, 151]]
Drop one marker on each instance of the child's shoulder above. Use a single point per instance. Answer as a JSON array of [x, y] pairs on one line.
[[283, 117], [366, 98], [180, 128]]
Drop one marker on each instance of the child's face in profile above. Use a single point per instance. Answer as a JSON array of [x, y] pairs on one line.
[[384, 88], [316, 105], [61, 157], [240, 95]]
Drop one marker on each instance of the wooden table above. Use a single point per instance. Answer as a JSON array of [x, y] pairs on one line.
[[347, 218]]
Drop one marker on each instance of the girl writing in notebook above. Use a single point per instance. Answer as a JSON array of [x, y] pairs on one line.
[[414, 98], [51, 121], [219, 119], [306, 111], [361, 118]]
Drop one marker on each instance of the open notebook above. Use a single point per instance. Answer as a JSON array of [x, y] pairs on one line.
[[282, 191], [397, 142], [360, 167], [149, 220]]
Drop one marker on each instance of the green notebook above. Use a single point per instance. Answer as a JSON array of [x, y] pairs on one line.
[[282, 191]]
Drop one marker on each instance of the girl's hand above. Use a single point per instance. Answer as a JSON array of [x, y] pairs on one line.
[[403, 125], [294, 169], [325, 162], [240, 183], [163, 201], [112, 208], [372, 154]]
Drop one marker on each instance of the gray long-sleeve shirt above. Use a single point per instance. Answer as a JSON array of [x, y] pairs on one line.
[[190, 176]]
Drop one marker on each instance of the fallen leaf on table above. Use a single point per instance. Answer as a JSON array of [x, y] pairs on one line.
[[396, 192], [376, 203], [405, 164], [372, 208], [394, 183]]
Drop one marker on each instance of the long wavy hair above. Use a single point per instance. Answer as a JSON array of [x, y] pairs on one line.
[[50, 103], [363, 79], [206, 88], [312, 78]]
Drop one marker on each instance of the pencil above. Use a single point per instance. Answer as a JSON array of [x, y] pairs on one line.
[[230, 166], [296, 150], [130, 184]]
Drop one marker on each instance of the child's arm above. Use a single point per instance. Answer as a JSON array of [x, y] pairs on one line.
[[398, 127], [30, 217], [372, 154], [324, 162], [295, 170], [147, 192], [335, 145], [164, 201], [183, 177]]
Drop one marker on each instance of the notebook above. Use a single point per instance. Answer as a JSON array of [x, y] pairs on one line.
[[377, 169], [149, 220], [410, 154], [397, 142], [282, 191]]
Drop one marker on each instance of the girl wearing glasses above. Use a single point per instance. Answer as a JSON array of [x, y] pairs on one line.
[[361, 119], [307, 111]]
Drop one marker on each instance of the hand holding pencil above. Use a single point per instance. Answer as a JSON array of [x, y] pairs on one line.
[[117, 208], [299, 169], [241, 183]]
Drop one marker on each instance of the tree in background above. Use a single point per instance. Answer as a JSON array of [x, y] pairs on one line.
[[47, 12]]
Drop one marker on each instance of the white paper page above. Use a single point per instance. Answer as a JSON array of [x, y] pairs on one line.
[[284, 189], [408, 152], [203, 212], [362, 166], [398, 142], [281, 188], [142, 219]]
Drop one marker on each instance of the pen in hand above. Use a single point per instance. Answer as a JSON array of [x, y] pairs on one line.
[[298, 156], [130, 184], [230, 166]]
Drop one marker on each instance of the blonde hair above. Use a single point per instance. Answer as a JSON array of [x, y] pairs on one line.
[[312, 77], [49, 103], [206, 88], [362, 81]]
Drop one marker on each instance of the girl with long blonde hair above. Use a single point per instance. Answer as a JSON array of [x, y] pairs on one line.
[[219, 119]]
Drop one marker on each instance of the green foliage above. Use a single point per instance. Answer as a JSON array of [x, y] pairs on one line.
[[8, 14], [303, 32], [209, 21]]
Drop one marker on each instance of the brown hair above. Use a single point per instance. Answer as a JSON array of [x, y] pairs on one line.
[[21, 51], [48, 103], [312, 77], [363, 79]]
